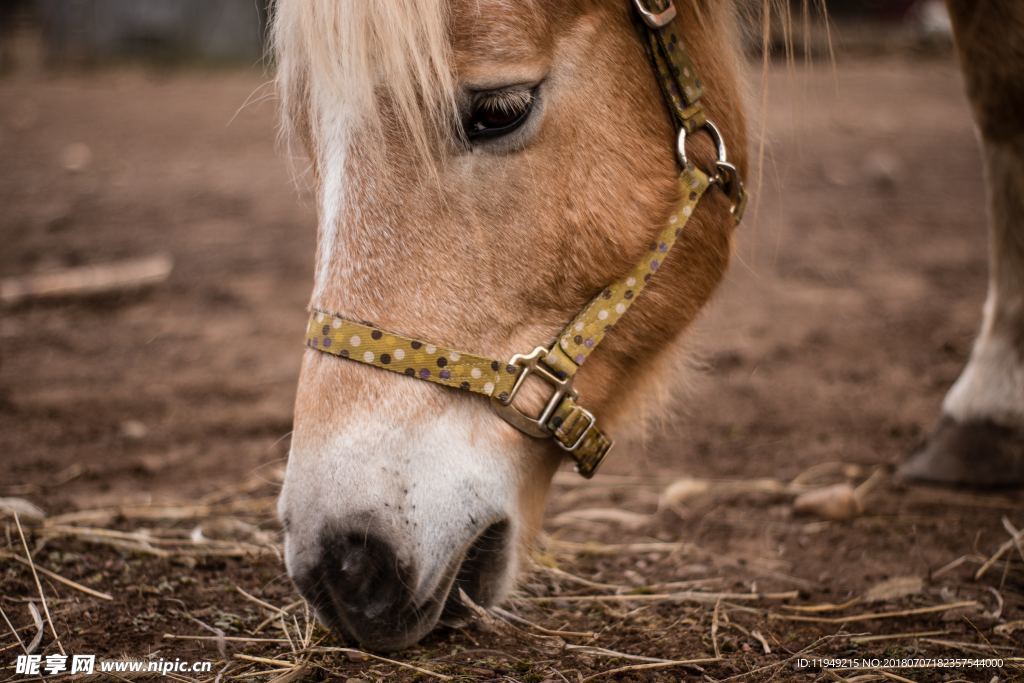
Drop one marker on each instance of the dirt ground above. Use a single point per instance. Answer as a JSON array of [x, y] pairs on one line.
[[154, 441]]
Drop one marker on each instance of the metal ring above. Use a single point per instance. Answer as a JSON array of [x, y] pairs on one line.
[[725, 174], [652, 17], [716, 137]]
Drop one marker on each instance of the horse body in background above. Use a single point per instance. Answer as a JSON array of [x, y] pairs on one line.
[[980, 439], [484, 168]]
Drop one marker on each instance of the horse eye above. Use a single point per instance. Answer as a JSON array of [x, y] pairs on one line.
[[496, 113]]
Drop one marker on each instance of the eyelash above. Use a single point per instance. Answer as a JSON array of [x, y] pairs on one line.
[[507, 109]]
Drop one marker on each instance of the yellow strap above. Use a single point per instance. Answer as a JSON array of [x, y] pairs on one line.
[[680, 85], [572, 427], [371, 345], [579, 339], [677, 76]]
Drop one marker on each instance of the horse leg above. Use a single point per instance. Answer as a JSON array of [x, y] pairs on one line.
[[980, 439]]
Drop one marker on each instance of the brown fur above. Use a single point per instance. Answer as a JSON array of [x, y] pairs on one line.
[[988, 38], [495, 252]]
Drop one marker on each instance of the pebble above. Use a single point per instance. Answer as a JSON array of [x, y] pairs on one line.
[[28, 513], [837, 502], [134, 430], [76, 157], [683, 490]]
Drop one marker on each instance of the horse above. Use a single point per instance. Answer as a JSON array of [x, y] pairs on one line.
[[979, 440], [483, 171]]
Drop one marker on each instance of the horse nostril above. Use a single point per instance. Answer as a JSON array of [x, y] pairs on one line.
[[358, 581], [355, 562], [481, 569]]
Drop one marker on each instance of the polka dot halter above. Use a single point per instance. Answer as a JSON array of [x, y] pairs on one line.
[[572, 427], [412, 357]]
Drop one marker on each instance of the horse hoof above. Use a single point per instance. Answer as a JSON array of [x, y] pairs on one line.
[[980, 454]]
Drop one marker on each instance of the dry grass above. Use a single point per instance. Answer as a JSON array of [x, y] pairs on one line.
[[561, 624]]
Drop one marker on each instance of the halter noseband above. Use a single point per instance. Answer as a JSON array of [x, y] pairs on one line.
[[572, 427]]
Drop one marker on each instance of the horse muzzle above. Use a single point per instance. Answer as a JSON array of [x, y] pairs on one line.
[[390, 510], [362, 588]]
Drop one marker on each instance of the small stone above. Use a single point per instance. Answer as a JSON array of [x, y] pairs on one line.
[[134, 430], [76, 157], [152, 463], [894, 589], [682, 490], [28, 513], [838, 502]]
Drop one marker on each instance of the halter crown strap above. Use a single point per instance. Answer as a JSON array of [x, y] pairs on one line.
[[682, 90], [677, 76], [571, 426]]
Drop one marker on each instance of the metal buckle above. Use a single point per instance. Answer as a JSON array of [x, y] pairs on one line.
[[534, 426], [656, 18], [728, 178], [725, 176], [586, 430], [587, 469]]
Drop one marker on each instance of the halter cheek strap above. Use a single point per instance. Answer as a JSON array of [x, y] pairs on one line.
[[572, 427]]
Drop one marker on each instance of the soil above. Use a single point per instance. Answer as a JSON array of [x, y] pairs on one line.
[[849, 310]]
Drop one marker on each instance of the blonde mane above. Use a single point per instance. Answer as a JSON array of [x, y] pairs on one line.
[[349, 56]]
